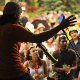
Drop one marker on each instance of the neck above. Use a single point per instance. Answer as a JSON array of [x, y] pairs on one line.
[[63, 50], [49, 45], [75, 39], [35, 60]]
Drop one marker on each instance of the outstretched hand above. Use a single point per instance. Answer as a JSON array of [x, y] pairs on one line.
[[68, 22]]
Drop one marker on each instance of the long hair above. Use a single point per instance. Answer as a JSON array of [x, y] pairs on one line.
[[30, 58], [9, 19]]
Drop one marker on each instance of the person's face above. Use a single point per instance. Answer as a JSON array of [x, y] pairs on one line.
[[41, 29], [73, 34], [26, 45], [63, 44], [34, 53], [50, 40]]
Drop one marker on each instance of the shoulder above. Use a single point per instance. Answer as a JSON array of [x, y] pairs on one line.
[[43, 62], [55, 53], [71, 51], [12, 26], [26, 63]]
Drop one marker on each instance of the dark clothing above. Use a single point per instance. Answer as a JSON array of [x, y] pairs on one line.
[[23, 20], [76, 72], [26, 76], [68, 58], [10, 60], [77, 48]]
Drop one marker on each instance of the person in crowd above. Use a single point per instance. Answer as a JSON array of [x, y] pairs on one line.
[[75, 41], [38, 68], [66, 60], [24, 19], [49, 44], [60, 18], [41, 27], [42, 17], [50, 14], [11, 32], [52, 21], [35, 17], [50, 48], [30, 26], [23, 53], [45, 16]]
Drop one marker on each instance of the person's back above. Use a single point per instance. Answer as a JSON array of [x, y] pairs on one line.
[[9, 54]]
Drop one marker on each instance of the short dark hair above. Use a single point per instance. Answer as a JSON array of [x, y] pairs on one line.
[[62, 37]]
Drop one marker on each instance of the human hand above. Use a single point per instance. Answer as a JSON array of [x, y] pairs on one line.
[[35, 76], [68, 70], [68, 22], [41, 76]]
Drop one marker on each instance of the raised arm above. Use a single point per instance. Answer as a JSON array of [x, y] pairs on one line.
[[48, 34]]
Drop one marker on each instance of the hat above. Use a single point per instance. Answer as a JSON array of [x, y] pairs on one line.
[[72, 29], [40, 25], [12, 8]]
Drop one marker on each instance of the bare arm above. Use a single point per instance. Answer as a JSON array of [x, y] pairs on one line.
[[26, 64], [59, 69], [45, 70]]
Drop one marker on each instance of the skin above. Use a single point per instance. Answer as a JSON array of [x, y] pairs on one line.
[[74, 35], [63, 47], [34, 54]]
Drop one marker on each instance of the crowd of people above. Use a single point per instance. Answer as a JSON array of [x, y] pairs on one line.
[[53, 44], [24, 60]]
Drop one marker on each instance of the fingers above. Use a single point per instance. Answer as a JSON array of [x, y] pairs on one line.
[[72, 25], [63, 17], [73, 21], [70, 16]]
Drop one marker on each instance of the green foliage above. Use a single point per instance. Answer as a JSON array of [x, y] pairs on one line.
[[2, 2], [31, 14], [65, 5], [13, 0], [33, 2]]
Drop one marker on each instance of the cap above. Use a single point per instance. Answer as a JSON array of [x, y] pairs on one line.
[[72, 29], [40, 25], [12, 8]]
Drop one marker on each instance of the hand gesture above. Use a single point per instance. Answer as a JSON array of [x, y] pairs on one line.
[[35, 76], [68, 22], [69, 69], [41, 76]]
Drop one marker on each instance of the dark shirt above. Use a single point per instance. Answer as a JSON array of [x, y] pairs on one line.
[[66, 58], [77, 48], [23, 20]]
